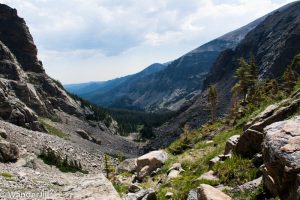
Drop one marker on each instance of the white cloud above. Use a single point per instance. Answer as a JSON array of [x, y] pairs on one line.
[[109, 38]]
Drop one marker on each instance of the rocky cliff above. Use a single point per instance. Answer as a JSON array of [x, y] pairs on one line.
[[26, 90]]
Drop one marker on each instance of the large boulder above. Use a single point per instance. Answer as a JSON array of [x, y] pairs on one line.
[[151, 161], [251, 140], [128, 165], [8, 152], [83, 134], [281, 153], [208, 192], [231, 144], [249, 143]]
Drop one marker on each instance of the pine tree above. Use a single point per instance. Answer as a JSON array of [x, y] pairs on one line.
[[253, 76], [108, 168], [289, 79], [234, 102], [212, 101], [244, 77]]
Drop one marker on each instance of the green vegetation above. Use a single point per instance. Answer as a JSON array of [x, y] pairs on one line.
[[213, 101], [138, 121], [232, 172], [108, 167], [128, 121], [6, 175], [193, 150], [121, 189], [52, 130], [50, 157]]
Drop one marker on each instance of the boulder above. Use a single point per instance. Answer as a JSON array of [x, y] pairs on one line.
[[281, 154], [151, 161], [148, 194], [169, 195], [83, 134], [231, 144], [193, 195], [176, 166], [8, 152], [251, 185], [133, 188], [145, 171], [210, 176], [213, 161], [251, 140], [249, 143], [128, 165], [175, 170], [173, 174], [3, 133], [219, 158], [207, 192]]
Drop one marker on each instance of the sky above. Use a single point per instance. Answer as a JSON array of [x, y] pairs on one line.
[[96, 40]]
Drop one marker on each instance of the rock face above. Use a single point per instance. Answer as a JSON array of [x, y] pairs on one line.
[[8, 152], [281, 152], [128, 165], [231, 144], [251, 140], [25, 89], [150, 162], [207, 192], [26, 53]]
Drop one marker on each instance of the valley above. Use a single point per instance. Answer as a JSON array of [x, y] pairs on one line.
[[220, 122]]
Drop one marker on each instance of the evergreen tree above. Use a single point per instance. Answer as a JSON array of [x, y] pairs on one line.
[[289, 79], [108, 168], [253, 76], [244, 77], [212, 101], [234, 102]]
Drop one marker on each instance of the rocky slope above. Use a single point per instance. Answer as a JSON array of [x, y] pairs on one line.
[[41, 127], [255, 158], [274, 42], [28, 94]]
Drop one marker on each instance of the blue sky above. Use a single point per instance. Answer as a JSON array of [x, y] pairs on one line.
[[93, 40]]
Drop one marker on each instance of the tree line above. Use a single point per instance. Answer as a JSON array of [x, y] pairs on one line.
[[251, 89]]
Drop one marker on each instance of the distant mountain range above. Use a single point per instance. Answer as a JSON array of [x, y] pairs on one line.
[[176, 85], [162, 87]]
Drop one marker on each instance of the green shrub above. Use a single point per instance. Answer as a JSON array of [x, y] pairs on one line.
[[235, 171], [50, 157], [121, 189], [6, 175], [52, 130]]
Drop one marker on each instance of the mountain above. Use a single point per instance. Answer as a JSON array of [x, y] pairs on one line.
[[169, 87], [31, 99], [274, 43]]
